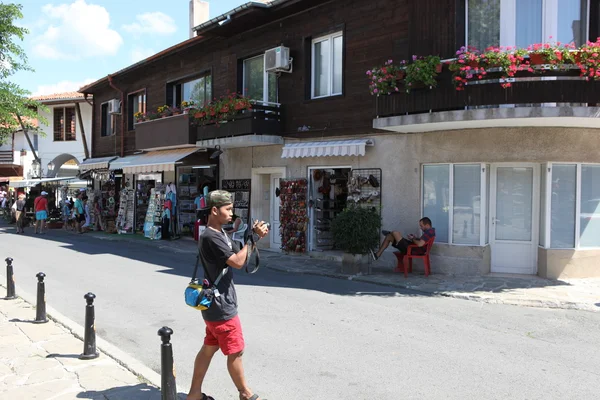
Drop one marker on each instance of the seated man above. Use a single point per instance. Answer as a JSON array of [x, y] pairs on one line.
[[400, 243]]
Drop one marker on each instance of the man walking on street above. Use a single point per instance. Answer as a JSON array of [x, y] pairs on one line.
[[223, 327], [40, 205]]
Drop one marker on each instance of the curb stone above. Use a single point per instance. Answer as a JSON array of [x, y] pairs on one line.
[[143, 373]]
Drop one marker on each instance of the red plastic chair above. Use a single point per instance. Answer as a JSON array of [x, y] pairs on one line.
[[409, 257]]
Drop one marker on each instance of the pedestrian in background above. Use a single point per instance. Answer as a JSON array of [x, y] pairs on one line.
[[20, 213], [40, 206]]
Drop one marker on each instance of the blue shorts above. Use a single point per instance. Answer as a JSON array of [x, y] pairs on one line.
[[41, 215]]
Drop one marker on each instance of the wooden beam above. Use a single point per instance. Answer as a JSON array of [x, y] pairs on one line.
[[83, 138]]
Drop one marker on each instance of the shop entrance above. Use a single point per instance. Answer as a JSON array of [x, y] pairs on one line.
[[327, 193], [265, 201]]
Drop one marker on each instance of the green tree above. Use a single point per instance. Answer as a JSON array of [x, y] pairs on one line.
[[17, 110]]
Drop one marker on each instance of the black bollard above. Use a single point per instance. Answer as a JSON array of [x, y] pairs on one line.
[[10, 280], [89, 336], [40, 308], [168, 387]]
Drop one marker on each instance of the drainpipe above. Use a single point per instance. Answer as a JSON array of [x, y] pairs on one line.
[[110, 82]]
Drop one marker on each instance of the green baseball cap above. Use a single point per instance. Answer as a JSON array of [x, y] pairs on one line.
[[218, 198]]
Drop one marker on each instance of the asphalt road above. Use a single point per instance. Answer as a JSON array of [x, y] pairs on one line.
[[312, 337]]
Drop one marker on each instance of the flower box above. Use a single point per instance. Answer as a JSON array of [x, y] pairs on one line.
[[537, 59]]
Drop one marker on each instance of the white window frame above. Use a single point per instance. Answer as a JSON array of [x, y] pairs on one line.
[[482, 206], [265, 98], [508, 20], [331, 57], [548, 195]]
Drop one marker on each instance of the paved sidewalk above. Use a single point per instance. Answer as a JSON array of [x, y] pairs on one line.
[[40, 361], [530, 291]]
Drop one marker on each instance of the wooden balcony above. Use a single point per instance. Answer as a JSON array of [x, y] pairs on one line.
[[261, 120], [444, 105], [165, 132]]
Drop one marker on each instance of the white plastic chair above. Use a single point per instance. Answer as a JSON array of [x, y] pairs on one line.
[[239, 234]]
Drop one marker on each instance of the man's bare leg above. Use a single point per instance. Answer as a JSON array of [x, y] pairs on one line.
[[201, 365], [393, 237], [236, 371]]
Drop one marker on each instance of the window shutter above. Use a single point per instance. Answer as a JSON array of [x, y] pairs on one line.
[[70, 123], [58, 124]]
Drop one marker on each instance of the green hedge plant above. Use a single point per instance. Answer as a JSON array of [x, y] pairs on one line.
[[356, 230]]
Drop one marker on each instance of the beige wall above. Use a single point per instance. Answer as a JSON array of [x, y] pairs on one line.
[[565, 264], [400, 157]]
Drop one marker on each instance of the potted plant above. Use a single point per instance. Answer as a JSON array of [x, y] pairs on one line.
[[219, 111], [557, 55], [588, 60], [466, 67], [387, 78], [165, 111], [186, 106], [139, 117], [356, 231], [422, 72], [509, 61]]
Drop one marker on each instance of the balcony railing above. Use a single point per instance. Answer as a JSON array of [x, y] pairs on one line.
[[165, 132], [6, 156], [551, 88], [261, 120]]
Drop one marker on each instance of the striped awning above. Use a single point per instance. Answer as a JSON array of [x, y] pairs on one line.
[[152, 161], [354, 147], [96, 163]]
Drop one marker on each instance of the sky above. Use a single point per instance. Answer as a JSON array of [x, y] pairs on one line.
[[74, 42]]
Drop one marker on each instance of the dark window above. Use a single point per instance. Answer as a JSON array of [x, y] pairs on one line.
[[106, 127], [136, 103], [64, 124], [197, 90]]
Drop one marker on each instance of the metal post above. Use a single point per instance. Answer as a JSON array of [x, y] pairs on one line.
[[40, 308], [168, 387], [89, 337], [10, 280]]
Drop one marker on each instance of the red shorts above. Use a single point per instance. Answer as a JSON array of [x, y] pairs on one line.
[[225, 334]]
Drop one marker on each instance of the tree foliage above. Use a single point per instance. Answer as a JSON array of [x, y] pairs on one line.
[[17, 110]]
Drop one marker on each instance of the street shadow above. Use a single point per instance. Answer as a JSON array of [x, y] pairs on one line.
[[178, 258], [25, 321], [597, 304], [141, 391], [55, 355]]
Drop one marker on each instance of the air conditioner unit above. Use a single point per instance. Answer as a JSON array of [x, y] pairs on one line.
[[278, 60], [114, 106]]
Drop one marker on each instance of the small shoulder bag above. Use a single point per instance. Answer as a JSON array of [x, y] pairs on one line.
[[200, 295]]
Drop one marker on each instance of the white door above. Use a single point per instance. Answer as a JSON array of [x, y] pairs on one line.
[[274, 235], [514, 215]]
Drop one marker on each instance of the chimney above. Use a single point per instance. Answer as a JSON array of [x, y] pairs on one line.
[[198, 14]]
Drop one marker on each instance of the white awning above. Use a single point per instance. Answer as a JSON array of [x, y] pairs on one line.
[[96, 163], [33, 182], [354, 147], [152, 161]]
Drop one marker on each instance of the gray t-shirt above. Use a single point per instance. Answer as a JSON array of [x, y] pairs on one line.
[[215, 249]]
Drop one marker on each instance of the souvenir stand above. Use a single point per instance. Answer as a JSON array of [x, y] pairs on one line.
[[364, 188], [328, 195], [154, 213], [293, 215], [240, 190], [109, 205], [125, 217]]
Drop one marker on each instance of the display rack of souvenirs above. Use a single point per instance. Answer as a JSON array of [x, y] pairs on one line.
[[240, 189], [109, 205], [126, 214], [364, 188], [329, 191], [154, 212], [293, 216]]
